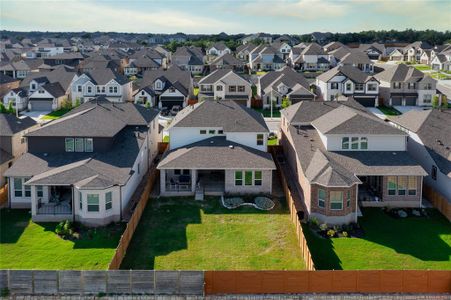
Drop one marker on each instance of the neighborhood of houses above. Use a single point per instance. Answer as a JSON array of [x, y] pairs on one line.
[[85, 121]]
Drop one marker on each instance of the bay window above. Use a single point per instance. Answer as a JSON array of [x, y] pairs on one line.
[[336, 200], [93, 202], [108, 200]]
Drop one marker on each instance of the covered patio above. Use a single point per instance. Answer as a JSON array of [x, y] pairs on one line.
[[185, 181], [52, 201]]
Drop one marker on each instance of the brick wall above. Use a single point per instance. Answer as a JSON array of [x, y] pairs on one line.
[[402, 200]]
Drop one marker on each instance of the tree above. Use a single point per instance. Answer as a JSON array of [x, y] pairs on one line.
[[147, 105], [10, 107], [435, 101], [77, 102], [285, 102]]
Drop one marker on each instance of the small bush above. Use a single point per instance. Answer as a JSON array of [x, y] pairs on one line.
[[314, 221], [331, 233], [323, 226], [65, 229], [345, 234], [4, 292]]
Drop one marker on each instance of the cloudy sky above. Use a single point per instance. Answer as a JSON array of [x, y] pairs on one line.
[[231, 16]]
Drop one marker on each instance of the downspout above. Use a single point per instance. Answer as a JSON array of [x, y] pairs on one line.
[[356, 202], [73, 205], [9, 192], [120, 202]]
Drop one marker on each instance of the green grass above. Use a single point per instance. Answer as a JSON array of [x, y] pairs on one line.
[[196, 91], [273, 142], [28, 245], [389, 111], [56, 114], [388, 243], [184, 234], [440, 76], [267, 112], [261, 73], [166, 139], [422, 67]]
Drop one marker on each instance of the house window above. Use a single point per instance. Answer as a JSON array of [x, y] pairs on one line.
[[348, 198], [427, 98], [211, 131], [248, 177], [177, 172], [354, 143], [33, 86], [359, 86], [348, 86], [220, 131], [138, 168], [79, 88], [258, 178], [219, 88], [98, 89], [402, 185], [18, 187], [391, 185], [79, 145], [69, 144], [336, 200], [372, 87], [260, 139], [345, 143], [27, 190], [108, 200], [39, 191], [89, 147], [232, 88], [412, 186], [321, 198], [186, 172], [89, 89], [241, 88], [397, 85], [238, 178], [411, 85], [203, 132], [434, 173], [363, 143], [93, 202], [80, 200], [334, 86], [428, 86]]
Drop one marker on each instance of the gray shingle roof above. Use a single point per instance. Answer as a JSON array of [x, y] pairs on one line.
[[232, 117], [103, 76], [171, 75], [216, 153], [349, 71], [400, 73], [10, 124]]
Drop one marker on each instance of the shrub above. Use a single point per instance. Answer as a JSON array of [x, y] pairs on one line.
[[286, 102], [314, 221], [323, 226], [331, 233], [64, 229], [77, 102], [10, 107], [147, 105], [345, 233], [2, 108], [4, 292], [435, 101]]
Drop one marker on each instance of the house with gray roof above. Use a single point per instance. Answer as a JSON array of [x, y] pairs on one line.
[[227, 61], [165, 88], [189, 59], [86, 165], [429, 143], [275, 85], [216, 148], [101, 82], [413, 51], [218, 49], [265, 58], [348, 80], [402, 85], [312, 57], [225, 85], [12, 141], [343, 157], [374, 51]]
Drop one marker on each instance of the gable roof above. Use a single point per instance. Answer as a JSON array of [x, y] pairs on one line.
[[61, 74], [229, 115], [349, 71], [171, 75], [400, 72], [103, 76], [10, 124]]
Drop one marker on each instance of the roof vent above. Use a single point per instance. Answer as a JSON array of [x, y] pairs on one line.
[[46, 154], [440, 142], [231, 147], [394, 153], [212, 142]]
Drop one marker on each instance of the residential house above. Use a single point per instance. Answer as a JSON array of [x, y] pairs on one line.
[[216, 148], [311, 58], [225, 85], [321, 37], [291, 41], [21, 69], [333, 46], [441, 62], [86, 166], [375, 51], [413, 51], [283, 47], [101, 82], [165, 88], [429, 144], [275, 85], [341, 157], [263, 37], [72, 59], [18, 97], [356, 58], [12, 141], [348, 80], [242, 52], [396, 54], [404, 85], [189, 59], [218, 49], [265, 58], [7, 83], [140, 65], [227, 61]]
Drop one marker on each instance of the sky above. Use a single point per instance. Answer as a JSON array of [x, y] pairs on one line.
[[230, 16]]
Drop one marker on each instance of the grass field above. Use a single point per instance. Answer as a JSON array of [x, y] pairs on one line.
[[56, 114], [183, 234], [28, 245], [422, 67], [389, 111], [388, 243], [267, 112]]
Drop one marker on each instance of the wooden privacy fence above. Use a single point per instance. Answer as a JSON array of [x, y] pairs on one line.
[[3, 194], [134, 220], [162, 147], [37, 282], [298, 282], [294, 208], [438, 201]]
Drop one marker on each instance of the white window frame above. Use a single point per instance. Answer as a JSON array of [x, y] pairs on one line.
[[108, 200], [93, 197], [69, 149], [335, 201]]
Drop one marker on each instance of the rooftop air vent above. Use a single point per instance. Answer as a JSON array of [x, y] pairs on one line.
[[46, 154], [231, 147]]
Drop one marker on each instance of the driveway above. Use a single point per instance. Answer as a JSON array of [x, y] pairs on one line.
[[273, 124], [404, 109], [36, 115], [375, 111]]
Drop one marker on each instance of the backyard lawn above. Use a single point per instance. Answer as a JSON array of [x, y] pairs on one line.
[[28, 245], [389, 111], [388, 243], [56, 114], [184, 234], [267, 112], [422, 67]]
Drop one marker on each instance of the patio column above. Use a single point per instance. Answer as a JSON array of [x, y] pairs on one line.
[[34, 201], [193, 180], [162, 181]]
